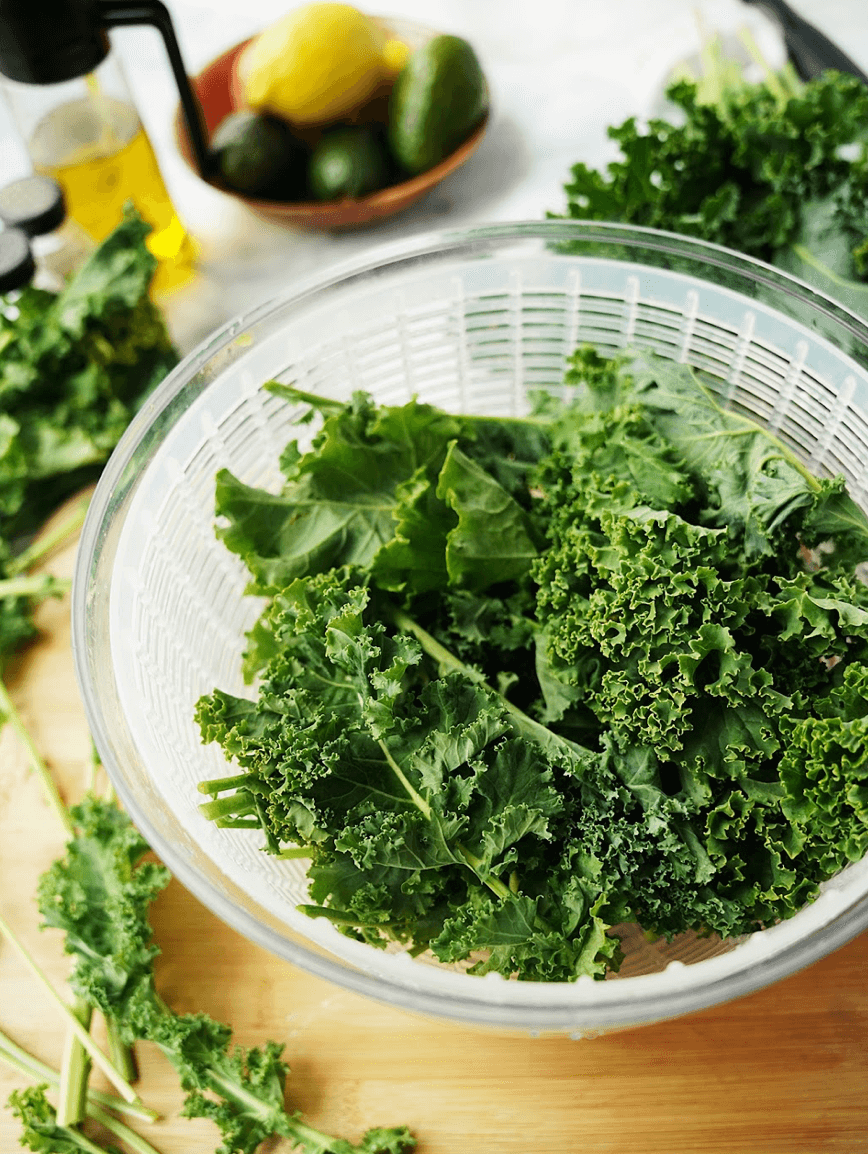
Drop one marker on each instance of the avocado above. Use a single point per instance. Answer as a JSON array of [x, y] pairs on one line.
[[258, 155], [437, 99], [348, 161]]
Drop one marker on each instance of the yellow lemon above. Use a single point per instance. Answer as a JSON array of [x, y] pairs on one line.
[[318, 63], [395, 56]]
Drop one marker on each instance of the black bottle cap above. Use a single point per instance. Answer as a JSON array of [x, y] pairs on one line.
[[16, 260], [34, 204], [50, 41]]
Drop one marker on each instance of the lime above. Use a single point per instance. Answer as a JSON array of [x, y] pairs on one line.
[[350, 161], [259, 156]]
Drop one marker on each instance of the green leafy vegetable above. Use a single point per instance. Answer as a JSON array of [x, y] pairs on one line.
[[74, 368], [41, 1131], [370, 466], [776, 169], [603, 664], [99, 895]]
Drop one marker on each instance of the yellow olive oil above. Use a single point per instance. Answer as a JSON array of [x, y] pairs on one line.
[[101, 156]]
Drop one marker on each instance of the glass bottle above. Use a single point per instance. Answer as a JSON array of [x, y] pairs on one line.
[[71, 102], [86, 134]]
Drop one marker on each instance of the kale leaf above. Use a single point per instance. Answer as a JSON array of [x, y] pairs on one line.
[[40, 1129], [776, 169], [629, 688], [74, 368], [383, 488], [98, 895]]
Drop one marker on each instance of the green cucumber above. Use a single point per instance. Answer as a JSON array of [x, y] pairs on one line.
[[437, 100]]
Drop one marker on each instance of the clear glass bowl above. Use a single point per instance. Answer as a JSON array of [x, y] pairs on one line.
[[466, 320]]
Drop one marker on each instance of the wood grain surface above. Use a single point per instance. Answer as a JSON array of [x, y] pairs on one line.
[[783, 1071]]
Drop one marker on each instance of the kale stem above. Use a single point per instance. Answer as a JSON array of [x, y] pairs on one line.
[[120, 1053], [781, 87], [710, 56], [300, 1133], [432, 646], [94, 766], [39, 585], [236, 804], [326, 405], [99, 1058], [417, 799], [291, 393], [74, 1071], [8, 710], [135, 1109], [447, 660], [494, 884], [810, 258], [120, 1130], [45, 542], [17, 1057], [220, 784], [25, 1063]]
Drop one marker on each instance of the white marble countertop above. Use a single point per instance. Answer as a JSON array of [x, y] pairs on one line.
[[560, 72]]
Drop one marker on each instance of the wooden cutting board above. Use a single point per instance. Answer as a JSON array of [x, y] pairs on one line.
[[783, 1071]]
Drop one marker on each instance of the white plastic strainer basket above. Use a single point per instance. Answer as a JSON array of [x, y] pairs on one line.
[[465, 321]]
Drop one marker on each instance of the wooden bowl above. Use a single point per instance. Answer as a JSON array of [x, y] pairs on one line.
[[219, 92]]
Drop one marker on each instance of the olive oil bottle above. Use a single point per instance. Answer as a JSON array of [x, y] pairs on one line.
[[73, 107], [90, 139]]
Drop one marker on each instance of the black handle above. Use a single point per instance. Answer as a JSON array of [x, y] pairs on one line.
[[115, 13], [809, 49], [51, 41]]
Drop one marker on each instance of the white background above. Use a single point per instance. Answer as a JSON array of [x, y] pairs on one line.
[[560, 72]]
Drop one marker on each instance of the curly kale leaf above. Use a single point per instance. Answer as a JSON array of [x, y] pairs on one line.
[[768, 169], [723, 469], [75, 367], [823, 768], [336, 505], [611, 725], [719, 683], [41, 1131], [493, 535], [98, 895], [682, 641], [420, 799], [18, 595]]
